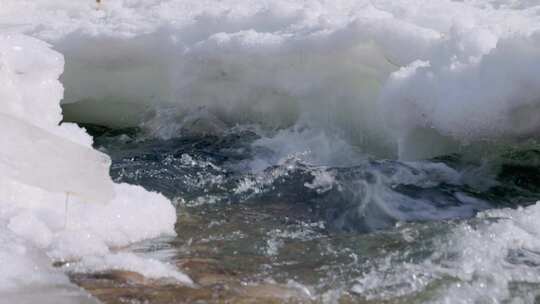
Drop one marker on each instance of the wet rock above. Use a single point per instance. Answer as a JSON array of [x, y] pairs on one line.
[[214, 286], [272, 291]]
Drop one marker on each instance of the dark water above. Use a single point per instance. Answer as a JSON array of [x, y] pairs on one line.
[[371, 230]]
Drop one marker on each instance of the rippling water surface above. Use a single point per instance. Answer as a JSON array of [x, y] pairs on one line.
[[373, 230]]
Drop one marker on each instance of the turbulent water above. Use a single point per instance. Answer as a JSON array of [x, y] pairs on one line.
[[370, 228]]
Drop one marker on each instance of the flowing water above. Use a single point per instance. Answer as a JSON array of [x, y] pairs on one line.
[[367, 229]]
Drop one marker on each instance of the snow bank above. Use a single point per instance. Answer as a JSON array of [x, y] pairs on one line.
[[488, 90], [464, 70], [43, 164]]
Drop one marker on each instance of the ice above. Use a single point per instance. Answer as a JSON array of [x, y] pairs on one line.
[[383, 73], [491, 92], [26, 142], [45, 165], [149, 268]]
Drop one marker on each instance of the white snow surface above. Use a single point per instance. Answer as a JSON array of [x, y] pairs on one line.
[[42, 165]]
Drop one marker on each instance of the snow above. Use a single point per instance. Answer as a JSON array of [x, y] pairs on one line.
[[43, 164], [385, 73]]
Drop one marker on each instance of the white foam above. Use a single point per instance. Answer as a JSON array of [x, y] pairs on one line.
[[149, 268], [478, 261], [492, 256]]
